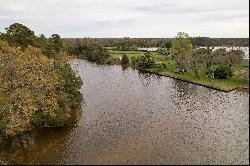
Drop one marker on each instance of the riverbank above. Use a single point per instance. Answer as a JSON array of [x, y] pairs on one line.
[[22, 139], [225, 85], [144, 119], [26, 138], [222, 85]]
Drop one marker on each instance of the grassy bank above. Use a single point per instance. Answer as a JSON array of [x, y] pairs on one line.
[[116, 54], [219, 84], [239, 81]]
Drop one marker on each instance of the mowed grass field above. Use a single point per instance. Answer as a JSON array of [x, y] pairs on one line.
[[116, 54]]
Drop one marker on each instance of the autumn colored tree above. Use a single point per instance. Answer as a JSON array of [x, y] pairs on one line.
[[33, 89]]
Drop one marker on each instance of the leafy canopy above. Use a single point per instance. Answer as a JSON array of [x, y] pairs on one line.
[[19, 35], [182, 43]]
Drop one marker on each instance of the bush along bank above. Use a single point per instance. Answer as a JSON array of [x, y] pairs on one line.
[[35, 91]]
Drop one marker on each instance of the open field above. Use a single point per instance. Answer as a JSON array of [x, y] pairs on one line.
[[117, 54]]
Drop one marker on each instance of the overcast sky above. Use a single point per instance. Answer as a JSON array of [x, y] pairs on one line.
[[133, 18]]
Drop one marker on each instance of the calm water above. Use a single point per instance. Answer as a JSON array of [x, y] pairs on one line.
[[133, 118]]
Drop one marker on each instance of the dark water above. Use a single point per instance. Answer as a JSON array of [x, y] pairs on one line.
[[133, 118]]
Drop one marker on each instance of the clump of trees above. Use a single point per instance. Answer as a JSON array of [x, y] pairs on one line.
[[98, 54], [127, 43], [19, 35], [143, 62], [197, 59], [181, 46], [89, 50], [35, 89]]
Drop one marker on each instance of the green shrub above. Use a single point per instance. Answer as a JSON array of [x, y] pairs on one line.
[[37, 120], [145, 61], [98, 55], [59, 119], [51, 118], [222, 72], [70, 85], [160, 66], [125, 59], [133, 60], [3, 125], [229, 71]]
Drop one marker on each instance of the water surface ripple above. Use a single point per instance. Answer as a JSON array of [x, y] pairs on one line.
[[136, 118]]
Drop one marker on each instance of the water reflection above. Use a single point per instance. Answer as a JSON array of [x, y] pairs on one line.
[[130, 117], [47, 146]]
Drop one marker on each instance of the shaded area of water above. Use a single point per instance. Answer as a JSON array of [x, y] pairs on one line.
[[133, 118]]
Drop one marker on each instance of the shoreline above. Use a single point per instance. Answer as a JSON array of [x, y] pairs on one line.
[[7, 140], [197, 83]]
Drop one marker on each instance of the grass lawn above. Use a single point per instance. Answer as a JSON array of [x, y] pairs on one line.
[[220, 84], [117, 54]]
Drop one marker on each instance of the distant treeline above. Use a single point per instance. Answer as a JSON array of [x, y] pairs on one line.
[[127, 43], [231, 42]]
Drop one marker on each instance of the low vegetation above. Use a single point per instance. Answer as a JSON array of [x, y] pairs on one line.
[[125, 59]]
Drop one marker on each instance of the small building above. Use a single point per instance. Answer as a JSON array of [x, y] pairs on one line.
[[149, 49]]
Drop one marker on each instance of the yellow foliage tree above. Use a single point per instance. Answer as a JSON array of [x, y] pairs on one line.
[[30, 90]]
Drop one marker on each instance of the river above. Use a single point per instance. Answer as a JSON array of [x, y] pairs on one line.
[[128, 117]]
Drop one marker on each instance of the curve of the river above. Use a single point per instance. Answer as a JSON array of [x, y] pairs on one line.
[[136, 118]]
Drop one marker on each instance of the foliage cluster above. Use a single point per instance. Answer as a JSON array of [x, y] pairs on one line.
[[222, 72], [35, 89], [21, 36], [88, 50], [125, 59], [143, 62]]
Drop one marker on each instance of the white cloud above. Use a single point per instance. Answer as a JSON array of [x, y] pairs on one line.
[[134, 18]]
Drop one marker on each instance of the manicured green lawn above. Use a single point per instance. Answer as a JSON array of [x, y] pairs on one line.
[[117, 54]]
